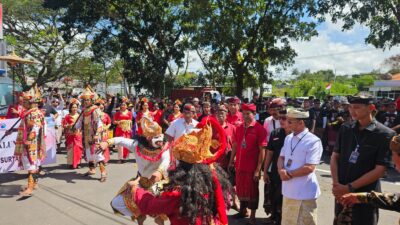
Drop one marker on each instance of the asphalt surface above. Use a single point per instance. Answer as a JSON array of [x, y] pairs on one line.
[[65, 197]]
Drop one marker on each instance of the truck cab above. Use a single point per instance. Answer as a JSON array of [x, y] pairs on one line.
[[6, 94]]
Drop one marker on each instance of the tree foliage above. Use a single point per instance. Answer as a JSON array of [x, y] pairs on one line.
[[381, 17], [148, 35], [243, 39], [33, 31]]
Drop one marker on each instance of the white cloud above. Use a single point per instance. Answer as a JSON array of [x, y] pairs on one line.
[[344, 52]]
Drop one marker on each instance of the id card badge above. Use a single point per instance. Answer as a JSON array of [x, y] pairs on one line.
[[289, 163], [354, 156], [244, 144]]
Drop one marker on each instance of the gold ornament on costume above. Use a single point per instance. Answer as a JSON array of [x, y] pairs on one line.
[[33, 95], [88, 93], [195, 146], [150, 128]]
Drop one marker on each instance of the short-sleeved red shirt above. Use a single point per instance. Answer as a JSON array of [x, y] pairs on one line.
[[247, 156], [235, 119], [230, 131]]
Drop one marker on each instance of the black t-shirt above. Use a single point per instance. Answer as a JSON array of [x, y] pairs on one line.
[[319, 117], [309, 121], [333, 115], [275, 144], [263, 116], [380, 116], [373, 149]]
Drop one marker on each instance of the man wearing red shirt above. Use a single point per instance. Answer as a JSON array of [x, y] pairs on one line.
[[234, 116], [249, 148]]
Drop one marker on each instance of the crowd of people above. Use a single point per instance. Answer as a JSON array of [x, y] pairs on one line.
[[197, 159]]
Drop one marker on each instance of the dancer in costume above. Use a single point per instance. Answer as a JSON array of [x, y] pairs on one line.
[[152, 157], [30, 146], [105, 118], [73, 136], [123, 121], [91, 124], [197, 191]]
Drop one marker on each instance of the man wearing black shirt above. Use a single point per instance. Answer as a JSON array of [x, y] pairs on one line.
[[359, 161], [310, 122], [273, 184]]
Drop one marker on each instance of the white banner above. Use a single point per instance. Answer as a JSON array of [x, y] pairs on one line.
[[8, 162]]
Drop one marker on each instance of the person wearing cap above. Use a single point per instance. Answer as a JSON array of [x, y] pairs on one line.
[[30, 145], [248, 155], [206, 111], [223, 161], [272, 122], [359, 161], [300, 154], [388, 201], [91, 125], [273, 184], [234, 116], [183, 125]]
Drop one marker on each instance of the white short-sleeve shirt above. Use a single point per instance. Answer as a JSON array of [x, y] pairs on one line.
[[270, 124], [179, 127], [307, 151]]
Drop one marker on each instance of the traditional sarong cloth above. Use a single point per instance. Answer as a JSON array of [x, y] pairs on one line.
[[73, 141], [299, 212], [123, 129], [92, 126]]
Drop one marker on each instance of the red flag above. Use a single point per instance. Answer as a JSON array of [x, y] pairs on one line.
[[328, 86]]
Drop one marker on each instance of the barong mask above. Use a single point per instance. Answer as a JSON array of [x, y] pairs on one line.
[[152, 131], [195, 146]]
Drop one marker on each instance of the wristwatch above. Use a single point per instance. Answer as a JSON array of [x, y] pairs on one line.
[[351, 189]]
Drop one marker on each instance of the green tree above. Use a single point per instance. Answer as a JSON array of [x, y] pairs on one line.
[[381, 17], [148, 35], [33, 32], [247, 37]]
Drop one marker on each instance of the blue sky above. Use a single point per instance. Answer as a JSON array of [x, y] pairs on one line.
[[343, 52]]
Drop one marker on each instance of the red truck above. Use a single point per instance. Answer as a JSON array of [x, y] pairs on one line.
[[194, 92]]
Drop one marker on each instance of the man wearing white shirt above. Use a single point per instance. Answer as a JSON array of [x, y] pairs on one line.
[[183, 125], [301, 152], [272, 122]]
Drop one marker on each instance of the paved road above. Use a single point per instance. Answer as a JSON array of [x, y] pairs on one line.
[[67, 198]]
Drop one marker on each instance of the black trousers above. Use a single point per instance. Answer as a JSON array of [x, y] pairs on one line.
[[273, 199]]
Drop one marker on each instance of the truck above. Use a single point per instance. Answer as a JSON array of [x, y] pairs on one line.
[[194, 92], [6, 94]]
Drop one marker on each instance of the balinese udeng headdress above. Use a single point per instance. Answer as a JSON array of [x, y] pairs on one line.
[[88, 93], [33, 95], [194, 148]]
